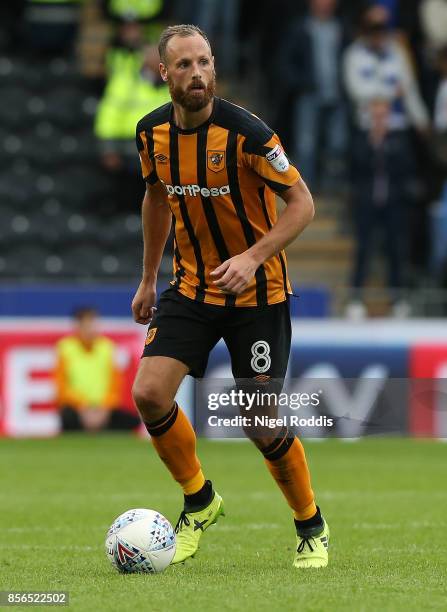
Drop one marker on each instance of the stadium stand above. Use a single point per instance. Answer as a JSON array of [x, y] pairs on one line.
[[58, 207]]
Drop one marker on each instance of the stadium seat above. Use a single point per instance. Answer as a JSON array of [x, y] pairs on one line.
[[55, 266], [7, 212], [37, 107], [41, 145], [83, 261], [23, 228], [122, 264], [21, 171], [89, 105], [88, 260], [13, 106], [83, 227], [11, 188], [11, 144], [64, 107], [25, 261], [61, 68], [77, 147], [122, 229], [7, 73], [15, 71]]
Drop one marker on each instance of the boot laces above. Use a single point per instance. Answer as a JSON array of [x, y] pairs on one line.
[[183, 520], [302, 544]]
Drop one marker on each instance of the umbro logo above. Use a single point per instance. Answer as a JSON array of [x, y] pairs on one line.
[[162, 159]]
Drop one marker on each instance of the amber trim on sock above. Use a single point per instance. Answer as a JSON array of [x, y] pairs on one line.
[[157, 428], [279, 447], [194, 484], [306, 513]]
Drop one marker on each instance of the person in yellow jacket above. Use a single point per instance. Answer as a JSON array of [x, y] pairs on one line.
[[139, 10], [133, 88], [88, 382]]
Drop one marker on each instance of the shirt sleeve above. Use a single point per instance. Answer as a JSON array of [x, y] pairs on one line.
[[147, 169], [271, 163]]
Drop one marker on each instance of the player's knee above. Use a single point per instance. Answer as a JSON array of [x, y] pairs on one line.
[[262, 437], [261, 442], [150, 399]]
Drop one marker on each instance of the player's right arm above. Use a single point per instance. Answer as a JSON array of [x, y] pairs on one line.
[[156, 221]]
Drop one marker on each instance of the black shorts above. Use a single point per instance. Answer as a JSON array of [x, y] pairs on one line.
[[258, 338]]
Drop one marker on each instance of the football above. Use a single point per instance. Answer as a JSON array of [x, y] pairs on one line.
[[140, 540]]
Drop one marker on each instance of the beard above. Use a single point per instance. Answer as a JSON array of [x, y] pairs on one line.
[[188, 100]]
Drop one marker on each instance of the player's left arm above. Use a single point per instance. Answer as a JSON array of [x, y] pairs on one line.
[[234, 274], [271, 164], [297, 215]]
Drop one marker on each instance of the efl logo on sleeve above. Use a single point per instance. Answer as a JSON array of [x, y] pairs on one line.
[[278, 159]]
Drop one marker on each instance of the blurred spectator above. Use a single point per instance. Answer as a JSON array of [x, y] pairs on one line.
[[433, 20], [433, 15], [51, 26], [440, 119], [392, 7], [220, 22], [351, 11], [134, 10], [375, 66], [440, 116], [88, 383], [258, 66], [386, 102], [133, 89], [11, 18], [146, 12], [439, 209], [310, 61], [409, 22]]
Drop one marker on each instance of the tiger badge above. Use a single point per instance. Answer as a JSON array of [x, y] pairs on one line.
[[216, 160], [150, 335]]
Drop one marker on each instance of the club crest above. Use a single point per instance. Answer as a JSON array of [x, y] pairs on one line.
[[150, 335], [216, 160]]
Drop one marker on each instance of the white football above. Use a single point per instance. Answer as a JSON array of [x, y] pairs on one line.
[[140, 540]]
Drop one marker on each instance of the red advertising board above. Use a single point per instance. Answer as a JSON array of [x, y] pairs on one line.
[[428, 398], [414, 352], [27, 359]]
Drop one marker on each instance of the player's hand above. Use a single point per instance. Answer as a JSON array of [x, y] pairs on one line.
[[234, 274], [143, 308]]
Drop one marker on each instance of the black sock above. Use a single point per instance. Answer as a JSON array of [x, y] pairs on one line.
[[201, 499], [310, 527]]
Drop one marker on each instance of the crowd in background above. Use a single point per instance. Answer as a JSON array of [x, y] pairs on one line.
[[356, 90], [366, 92]]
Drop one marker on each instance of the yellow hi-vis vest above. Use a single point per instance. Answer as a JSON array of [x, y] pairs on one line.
[[57, 1], [87, 377], [136, 9], [127, 97]]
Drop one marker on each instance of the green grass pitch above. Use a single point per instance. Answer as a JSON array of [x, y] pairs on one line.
[[385, 501]]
